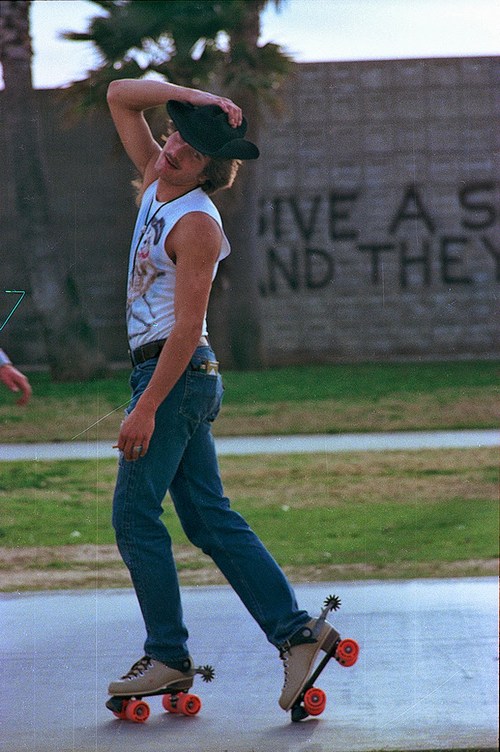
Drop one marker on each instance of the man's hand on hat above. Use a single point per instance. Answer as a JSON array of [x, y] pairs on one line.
[[214, 126], [233, 112]]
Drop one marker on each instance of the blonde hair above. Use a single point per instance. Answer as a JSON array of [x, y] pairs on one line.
[[220, 174]]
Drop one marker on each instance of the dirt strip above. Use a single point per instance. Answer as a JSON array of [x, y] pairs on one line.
[[87, 566]]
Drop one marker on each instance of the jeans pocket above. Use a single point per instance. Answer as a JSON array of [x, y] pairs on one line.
[[202, 396]]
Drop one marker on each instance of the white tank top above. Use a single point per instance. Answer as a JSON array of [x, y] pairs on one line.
[[151, 273]]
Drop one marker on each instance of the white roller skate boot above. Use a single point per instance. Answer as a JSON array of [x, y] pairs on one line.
[[299, 655], [148, 676]]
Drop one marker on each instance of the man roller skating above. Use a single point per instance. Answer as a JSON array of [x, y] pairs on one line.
[[165, 441]]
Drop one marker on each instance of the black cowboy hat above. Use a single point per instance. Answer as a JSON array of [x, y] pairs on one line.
[[207, 130]]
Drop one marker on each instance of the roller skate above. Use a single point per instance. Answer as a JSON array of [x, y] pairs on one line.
[[148, 678], [299, 654]]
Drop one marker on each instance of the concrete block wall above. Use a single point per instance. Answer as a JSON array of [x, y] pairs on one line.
[[380, 212], [92, 210]]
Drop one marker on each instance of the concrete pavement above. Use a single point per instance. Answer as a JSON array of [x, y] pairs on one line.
[[240, 445], [425, 679]]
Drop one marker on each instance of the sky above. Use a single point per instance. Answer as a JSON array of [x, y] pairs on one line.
[[310, 30]]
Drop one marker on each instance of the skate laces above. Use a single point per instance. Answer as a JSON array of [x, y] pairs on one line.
[[304, 636], [138, 668], [285, 651]]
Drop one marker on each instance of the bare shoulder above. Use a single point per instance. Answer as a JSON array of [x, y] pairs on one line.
[[195, 234]]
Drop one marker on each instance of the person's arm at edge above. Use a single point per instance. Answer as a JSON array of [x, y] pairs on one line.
[[14, 379]]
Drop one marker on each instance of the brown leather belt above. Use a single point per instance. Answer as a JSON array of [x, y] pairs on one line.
[[153, 349]]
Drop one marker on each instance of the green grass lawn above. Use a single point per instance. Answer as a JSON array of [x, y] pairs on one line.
[[310, 399], [322, 516], [311, 510]]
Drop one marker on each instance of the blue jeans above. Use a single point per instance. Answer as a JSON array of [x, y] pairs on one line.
[[181, 459]]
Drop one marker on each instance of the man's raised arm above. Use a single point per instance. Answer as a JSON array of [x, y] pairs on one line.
[[127, 100]]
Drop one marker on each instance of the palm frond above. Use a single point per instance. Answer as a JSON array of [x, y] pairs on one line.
[[181, 40]]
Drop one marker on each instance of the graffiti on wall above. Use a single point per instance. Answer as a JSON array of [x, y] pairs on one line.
[[421, 252]]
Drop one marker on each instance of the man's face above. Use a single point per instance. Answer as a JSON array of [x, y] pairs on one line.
[[179, 163]]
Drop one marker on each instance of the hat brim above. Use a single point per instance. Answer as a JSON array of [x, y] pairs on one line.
[[236, 148]]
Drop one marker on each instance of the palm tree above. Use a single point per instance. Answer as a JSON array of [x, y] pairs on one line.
[[68, 338], [212, 44]]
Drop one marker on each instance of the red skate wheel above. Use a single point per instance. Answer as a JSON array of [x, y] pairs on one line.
[[347, 652], [314, 701], [189, 704], [137, 711]]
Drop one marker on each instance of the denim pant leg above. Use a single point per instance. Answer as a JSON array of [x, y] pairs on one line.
[[181, 457], [224, 535], [143, 541]]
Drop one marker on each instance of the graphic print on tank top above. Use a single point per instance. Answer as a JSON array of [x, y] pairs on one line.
[[144, 274]]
